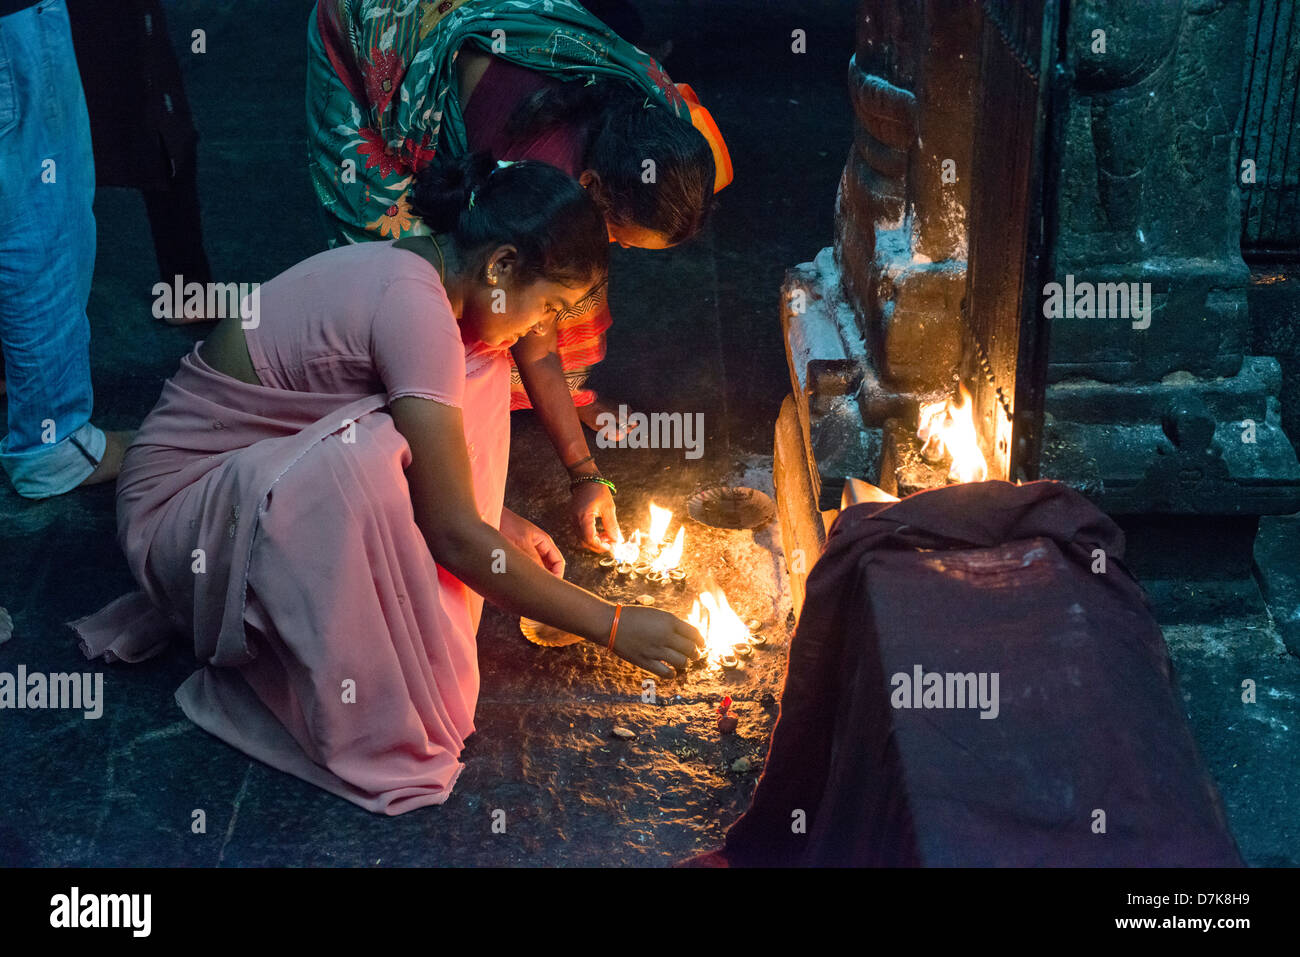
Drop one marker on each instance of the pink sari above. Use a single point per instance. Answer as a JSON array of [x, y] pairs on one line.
[[274, 529]]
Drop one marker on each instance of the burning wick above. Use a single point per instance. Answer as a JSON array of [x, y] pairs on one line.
[[946, 428], [660, 518], [646, 553], [723, 630], [627, 551], [671, 556]]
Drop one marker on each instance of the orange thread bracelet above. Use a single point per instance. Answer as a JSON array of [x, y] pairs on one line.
[[618, 610]]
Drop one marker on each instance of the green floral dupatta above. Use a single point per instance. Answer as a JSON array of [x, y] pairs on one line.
[[382, 92]]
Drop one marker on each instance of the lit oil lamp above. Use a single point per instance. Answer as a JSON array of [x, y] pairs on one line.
[[726, 639], [627, 551], [670, 556], [660, 519], [646, 554], [947, 428]]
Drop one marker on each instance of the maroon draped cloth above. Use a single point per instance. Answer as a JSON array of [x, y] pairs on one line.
[[1089, 733]]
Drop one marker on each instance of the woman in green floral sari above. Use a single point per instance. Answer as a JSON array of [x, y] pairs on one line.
[[391, 82]]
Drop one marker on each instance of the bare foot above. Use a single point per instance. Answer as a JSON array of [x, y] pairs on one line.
[[591, 416], [111, 464]]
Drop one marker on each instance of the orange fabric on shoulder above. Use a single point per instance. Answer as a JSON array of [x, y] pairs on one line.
[[702, 120]]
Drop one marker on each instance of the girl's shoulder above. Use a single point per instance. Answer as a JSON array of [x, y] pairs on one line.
[[349, 286], [370, 264]]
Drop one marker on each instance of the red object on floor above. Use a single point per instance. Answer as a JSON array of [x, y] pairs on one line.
[[1089, 760]]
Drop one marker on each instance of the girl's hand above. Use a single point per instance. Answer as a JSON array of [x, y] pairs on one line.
[[532, 541], [656, 641], [588, 502]]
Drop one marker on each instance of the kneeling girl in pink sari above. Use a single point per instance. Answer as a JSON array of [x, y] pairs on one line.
[[316, 499]]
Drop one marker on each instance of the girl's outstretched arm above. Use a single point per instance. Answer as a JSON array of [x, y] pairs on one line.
[[442, 496]]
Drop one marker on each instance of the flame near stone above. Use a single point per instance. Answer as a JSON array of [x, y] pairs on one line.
[[627, 551], [660, 518], [671, 556], [721, 627], [948, 428], [648, 546]]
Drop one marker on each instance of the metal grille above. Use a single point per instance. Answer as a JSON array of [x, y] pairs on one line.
[[1005, 335], [1270, 206]]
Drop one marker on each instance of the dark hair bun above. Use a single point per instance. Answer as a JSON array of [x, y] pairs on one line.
[[443, 187], [555, 226]]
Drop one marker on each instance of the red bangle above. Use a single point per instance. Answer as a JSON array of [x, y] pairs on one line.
[[613, 631]]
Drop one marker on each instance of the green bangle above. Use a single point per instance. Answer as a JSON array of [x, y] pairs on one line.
[[593, 478]]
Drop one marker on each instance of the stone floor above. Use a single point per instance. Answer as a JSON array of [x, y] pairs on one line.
[[695, 330]]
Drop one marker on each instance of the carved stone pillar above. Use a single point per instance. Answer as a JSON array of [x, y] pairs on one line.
[[1131, 113], [1161, 412], [873, 324]]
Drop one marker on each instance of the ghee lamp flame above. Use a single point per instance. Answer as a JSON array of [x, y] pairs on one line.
[[948, 428], [724, 631], [671, 556], [660, 518], [627, 551], [646, 551]]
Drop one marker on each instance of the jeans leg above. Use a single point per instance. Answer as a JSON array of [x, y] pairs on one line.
[[47, 254]]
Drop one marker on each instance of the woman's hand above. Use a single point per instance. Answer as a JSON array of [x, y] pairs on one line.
[[588, 502], [532, 541], [543, 376], [656, 641]]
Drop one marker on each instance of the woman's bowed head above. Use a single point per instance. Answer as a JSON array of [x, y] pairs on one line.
[[515, 244], [651, 173]]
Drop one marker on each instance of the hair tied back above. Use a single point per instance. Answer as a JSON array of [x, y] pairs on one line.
[[501, 164]]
